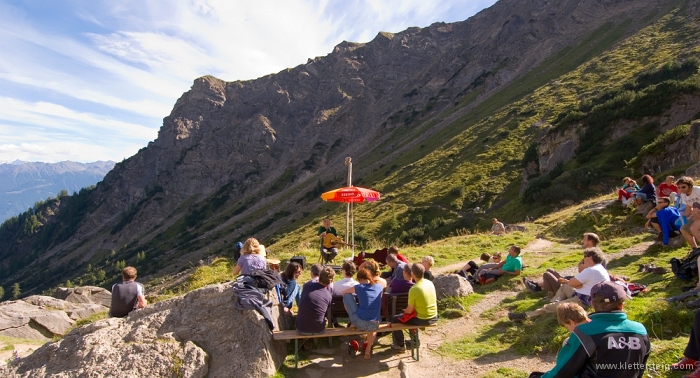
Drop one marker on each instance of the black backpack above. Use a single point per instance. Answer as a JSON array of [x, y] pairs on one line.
[[687, 267]]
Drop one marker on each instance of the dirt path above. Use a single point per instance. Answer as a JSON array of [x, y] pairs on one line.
[[333, 362]]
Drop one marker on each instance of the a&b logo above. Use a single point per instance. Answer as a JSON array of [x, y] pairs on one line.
[[633, 343]]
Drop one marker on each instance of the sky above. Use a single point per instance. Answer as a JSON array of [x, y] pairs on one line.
[[88, 80]]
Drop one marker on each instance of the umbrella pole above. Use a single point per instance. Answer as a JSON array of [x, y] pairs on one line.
[[352, 221], [348, 162]]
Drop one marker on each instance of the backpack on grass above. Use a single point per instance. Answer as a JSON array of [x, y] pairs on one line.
[[687, 267]]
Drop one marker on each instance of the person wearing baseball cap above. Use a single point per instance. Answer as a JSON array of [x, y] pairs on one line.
[[610, 345]]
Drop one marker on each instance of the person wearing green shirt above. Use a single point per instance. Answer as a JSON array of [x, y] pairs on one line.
[[422, 306], [328, 250], [512, 266]]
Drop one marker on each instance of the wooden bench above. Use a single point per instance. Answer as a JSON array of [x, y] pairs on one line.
[[331, 332]]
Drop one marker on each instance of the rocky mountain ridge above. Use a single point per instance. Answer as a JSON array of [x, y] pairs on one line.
[[243, 158]]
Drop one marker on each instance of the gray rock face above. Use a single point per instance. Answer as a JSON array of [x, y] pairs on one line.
[[197, 335], [452, 285], [84, 294], [25, 320]]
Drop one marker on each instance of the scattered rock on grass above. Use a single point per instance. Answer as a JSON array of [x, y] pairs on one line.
[[452, 285]]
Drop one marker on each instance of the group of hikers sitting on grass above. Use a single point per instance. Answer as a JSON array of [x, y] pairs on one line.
[[676, 204]]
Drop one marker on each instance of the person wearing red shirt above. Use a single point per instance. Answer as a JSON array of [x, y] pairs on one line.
[[667, 187]]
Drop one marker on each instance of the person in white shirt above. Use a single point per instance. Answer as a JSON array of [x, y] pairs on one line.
[[592, 273], [349, 269], [690, 196]]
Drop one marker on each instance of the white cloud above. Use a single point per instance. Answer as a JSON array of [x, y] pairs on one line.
[[86, 72]]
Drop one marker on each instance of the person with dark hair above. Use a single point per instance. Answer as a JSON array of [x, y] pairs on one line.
[[366, 314], [550, 278], [349, 268], [592, 273], [313, 304], [422, 306], [293, 293], [128, 295], [647, 193], [512, 266], [663, 218], [610, 345]]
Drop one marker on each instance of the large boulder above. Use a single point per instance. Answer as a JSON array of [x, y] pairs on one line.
[[75, 311], [196, 335], [25, 320], [452, 285], [84, 294]]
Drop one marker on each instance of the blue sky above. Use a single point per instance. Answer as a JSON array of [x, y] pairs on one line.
[[92, 80]]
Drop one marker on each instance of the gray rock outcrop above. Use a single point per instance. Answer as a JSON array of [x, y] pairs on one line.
[[84, 294], [452, 285], [199, 334], [25, 320]]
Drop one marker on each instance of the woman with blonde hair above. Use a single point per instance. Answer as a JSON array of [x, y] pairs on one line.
[[252, 257]]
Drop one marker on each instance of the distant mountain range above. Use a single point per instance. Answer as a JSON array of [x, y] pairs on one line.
[[24, 183]]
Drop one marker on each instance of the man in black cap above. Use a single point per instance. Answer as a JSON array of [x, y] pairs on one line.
[[610, 345]]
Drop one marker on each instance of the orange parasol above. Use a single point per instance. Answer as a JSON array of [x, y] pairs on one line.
[[351, 194]]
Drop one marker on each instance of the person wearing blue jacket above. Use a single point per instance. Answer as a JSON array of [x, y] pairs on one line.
[[663, 218], [610, 345]]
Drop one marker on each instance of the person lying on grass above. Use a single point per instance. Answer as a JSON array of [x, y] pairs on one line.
[[512, 266], [366, 315]]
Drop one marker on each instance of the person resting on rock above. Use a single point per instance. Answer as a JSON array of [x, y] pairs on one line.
[[293, 292], [366, 315], [663, 218], [252, 257], [512, 266], [402, 285], [647, 193], [313, 304], [128, 295]]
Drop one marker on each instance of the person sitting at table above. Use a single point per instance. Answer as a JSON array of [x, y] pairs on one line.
[[252, 257], [421, 309], [403, 284], [366, 315], [313, 304], [373, 268]]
